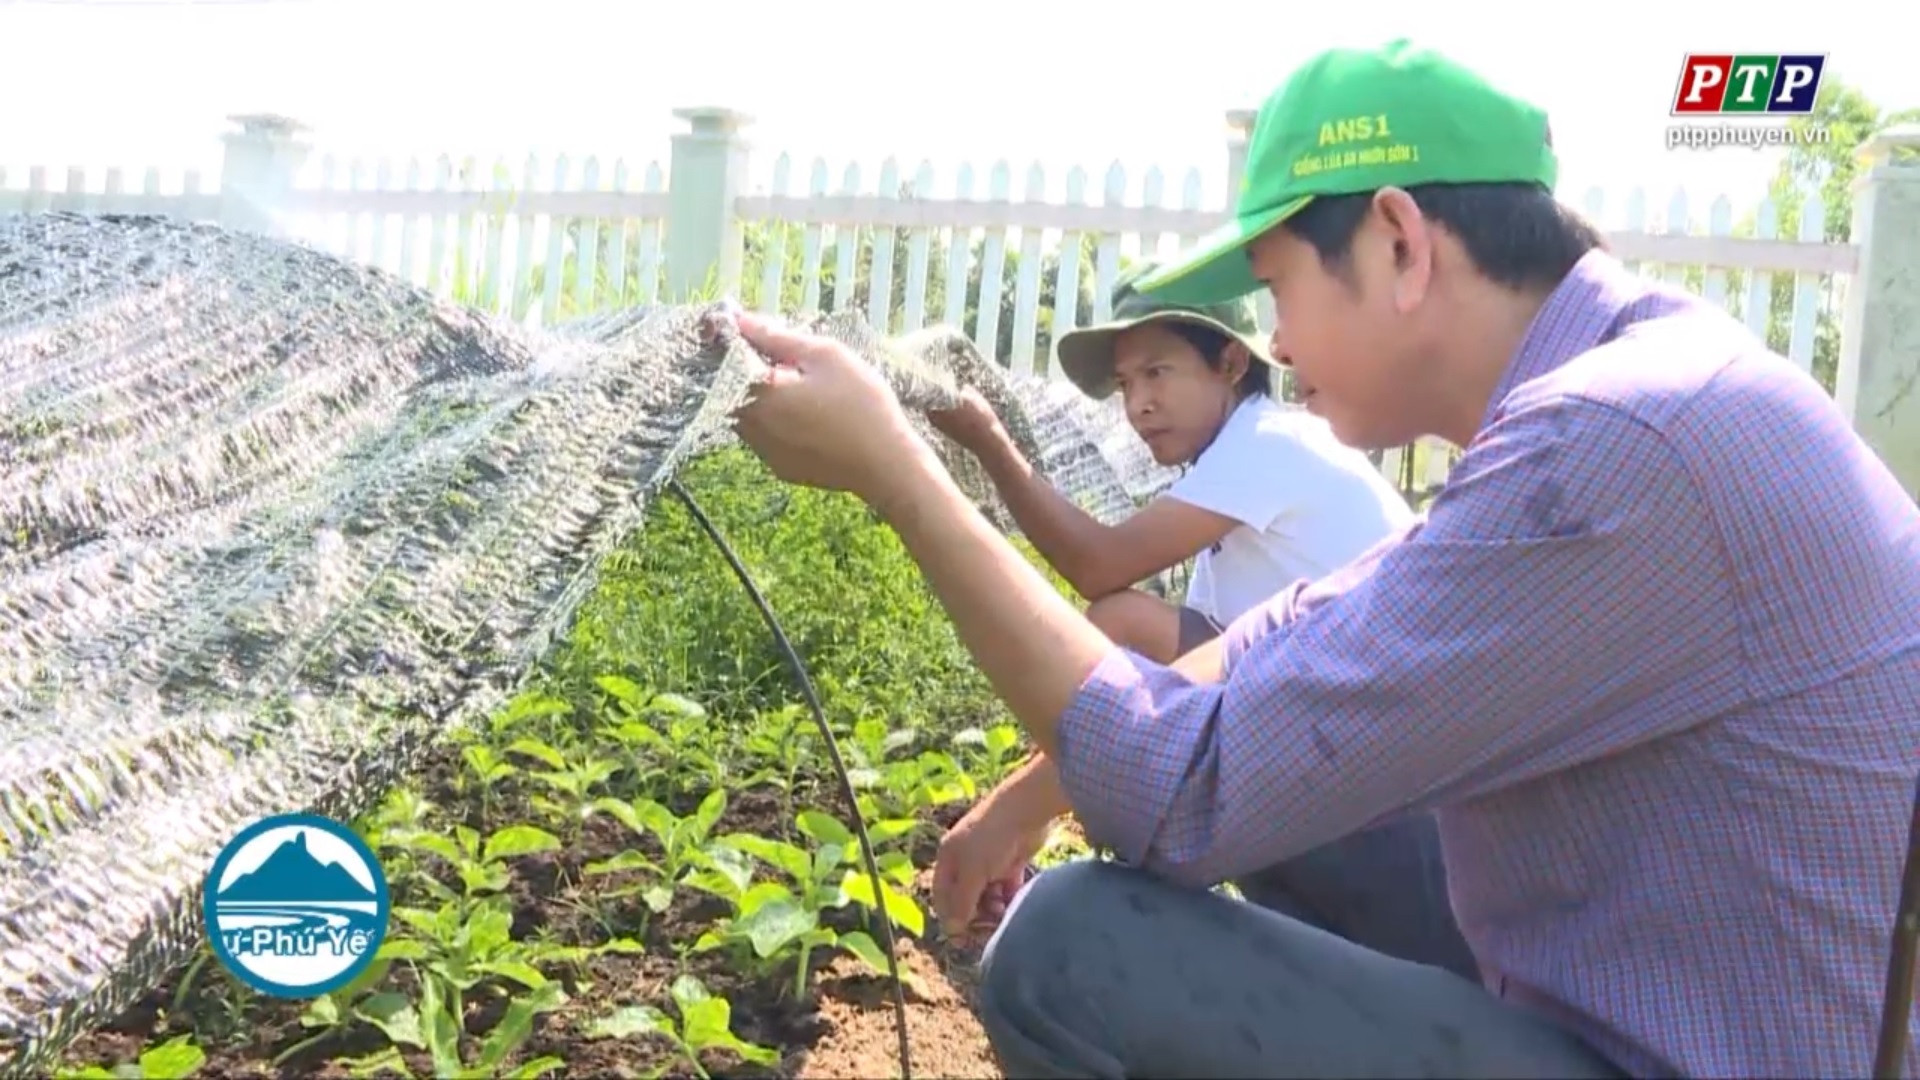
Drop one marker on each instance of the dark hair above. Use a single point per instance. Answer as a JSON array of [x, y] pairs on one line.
[[1211, 344], [1516, 234]]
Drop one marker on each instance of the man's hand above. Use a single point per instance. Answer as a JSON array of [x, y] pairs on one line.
[[825, 418], [828, 420], [982, 863], [970, 423]]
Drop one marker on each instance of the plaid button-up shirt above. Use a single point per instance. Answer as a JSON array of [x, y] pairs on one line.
[[1653, 659]]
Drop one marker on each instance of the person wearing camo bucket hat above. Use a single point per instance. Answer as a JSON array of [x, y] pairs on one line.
[[1087, 353], [1267, 497]]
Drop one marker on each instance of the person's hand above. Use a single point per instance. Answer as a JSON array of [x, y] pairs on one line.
[[970, 423], [981, 864], [825, 418]]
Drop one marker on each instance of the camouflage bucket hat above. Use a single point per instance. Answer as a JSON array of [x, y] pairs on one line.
[[1086, 354]]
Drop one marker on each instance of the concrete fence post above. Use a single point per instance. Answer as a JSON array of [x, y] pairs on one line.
[[707, 173], [1878, 382], [257, 172]]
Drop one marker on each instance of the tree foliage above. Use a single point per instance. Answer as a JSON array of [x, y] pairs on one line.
[[1828, 167]]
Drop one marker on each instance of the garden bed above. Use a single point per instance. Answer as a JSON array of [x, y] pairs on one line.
[[643, 866]]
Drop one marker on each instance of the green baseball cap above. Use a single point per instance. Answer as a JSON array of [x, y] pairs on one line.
[[1086, 354], [1352, 121]]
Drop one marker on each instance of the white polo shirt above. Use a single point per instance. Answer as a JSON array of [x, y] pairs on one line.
[[1306, 502]]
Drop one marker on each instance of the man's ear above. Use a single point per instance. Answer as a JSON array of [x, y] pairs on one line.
[[1413, 241], [1235, 359]]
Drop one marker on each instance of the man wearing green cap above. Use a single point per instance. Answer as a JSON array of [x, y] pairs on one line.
[[1660, 699], [1267, 497]]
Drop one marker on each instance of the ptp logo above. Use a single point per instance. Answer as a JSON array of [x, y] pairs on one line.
[[1756, 85]]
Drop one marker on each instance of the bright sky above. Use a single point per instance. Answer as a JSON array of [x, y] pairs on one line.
[[1063, 82]]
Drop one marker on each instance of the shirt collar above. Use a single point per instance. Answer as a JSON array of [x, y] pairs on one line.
[[1584, 310], [1241, 413]]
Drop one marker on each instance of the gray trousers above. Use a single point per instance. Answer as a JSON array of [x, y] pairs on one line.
[[1347, 963]]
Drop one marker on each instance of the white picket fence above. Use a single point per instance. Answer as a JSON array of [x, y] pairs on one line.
[[653, 231]]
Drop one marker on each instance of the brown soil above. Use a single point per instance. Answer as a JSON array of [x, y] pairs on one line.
[[845, 1027], [945, 1038]]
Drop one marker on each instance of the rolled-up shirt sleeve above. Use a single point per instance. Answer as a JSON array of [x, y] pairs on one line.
[[1563, 600]]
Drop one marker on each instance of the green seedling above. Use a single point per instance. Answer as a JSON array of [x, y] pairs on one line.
[[328, 1014], [403, 808], [571, 781], [875, 740], [932, 779], [906, 790], [894, 788], [402, 813], [774, 924], [174, 1059], [480, 868], [641, 747], [682, 842], [219, 1006], [485, 772], [706, 1023], [696, 748], [436, 1026], [465, 944], [780, 745], [531, 706], [996, 750]]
